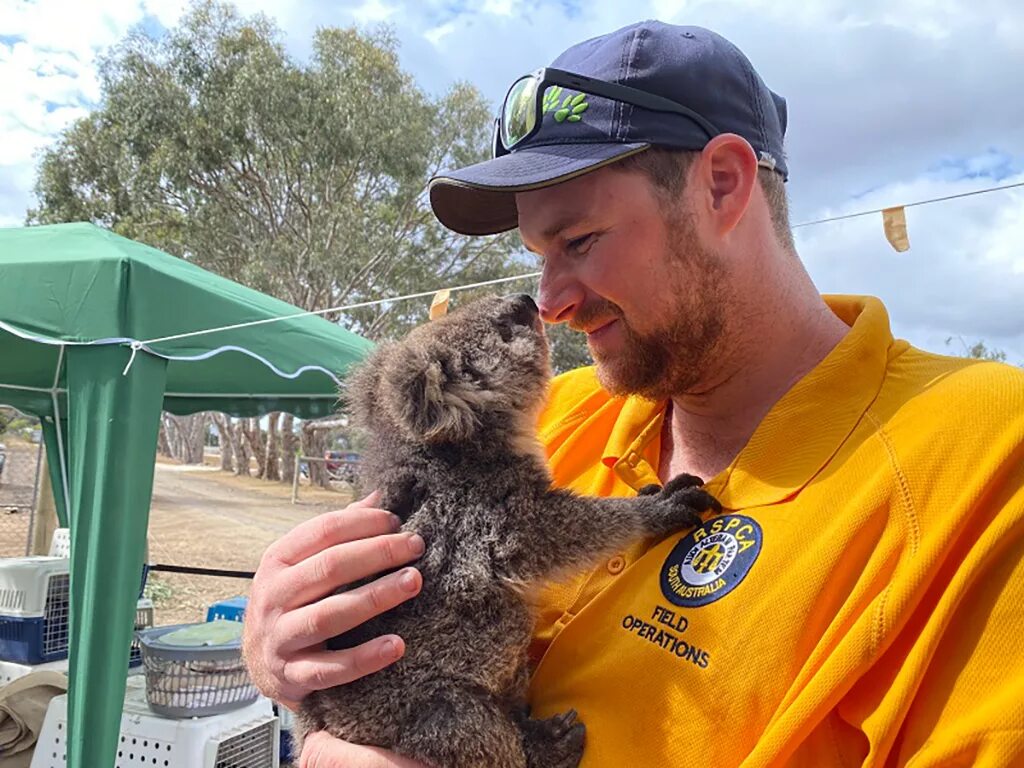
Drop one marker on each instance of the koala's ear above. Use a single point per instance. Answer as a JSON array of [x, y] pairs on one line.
[[425, 402]]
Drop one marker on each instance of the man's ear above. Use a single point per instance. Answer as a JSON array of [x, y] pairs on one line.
[[424, 401], [728, 170]]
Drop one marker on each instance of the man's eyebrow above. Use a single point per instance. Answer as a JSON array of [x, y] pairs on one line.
[[555, 228], [558, 225]]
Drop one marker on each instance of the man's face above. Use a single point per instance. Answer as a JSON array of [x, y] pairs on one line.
[[629, 270]]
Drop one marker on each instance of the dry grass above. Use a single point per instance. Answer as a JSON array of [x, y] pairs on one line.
[[207, 518]]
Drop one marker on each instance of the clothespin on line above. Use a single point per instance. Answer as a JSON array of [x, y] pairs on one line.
[[439, 304], [895, 222]]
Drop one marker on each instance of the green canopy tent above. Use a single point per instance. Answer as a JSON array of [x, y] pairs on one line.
[[97, 335]]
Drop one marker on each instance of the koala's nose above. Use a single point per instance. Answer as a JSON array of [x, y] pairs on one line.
[[525, 309]]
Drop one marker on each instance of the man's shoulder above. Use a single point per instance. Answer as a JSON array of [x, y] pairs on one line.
[[951, 420], [958, 387]]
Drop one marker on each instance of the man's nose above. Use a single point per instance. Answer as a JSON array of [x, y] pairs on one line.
[[558, 298]]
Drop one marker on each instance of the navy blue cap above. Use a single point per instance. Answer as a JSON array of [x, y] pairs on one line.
[[689, 65]]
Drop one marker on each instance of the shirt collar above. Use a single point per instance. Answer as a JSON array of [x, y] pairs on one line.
[[801, 432]]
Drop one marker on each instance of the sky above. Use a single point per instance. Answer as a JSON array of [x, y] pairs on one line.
[[889, 103]]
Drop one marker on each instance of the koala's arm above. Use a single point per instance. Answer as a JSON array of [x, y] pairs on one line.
[[564, 530]]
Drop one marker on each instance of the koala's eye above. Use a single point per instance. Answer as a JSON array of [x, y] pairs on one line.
[[505, 330]]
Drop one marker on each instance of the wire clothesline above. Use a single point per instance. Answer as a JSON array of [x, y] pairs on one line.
[[910, 205], [525, 276]]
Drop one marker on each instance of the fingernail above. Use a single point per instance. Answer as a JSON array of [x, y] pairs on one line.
[[396, 522], [389, 650], [416, 545], [408, 580]]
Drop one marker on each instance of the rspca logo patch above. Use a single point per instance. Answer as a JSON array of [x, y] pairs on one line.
[[711, 561]]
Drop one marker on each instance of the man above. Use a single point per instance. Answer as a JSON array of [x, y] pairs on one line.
[[857, 602]]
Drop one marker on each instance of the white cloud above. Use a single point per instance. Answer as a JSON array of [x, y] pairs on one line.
[[440, 32], [500, 7], [374, 11]]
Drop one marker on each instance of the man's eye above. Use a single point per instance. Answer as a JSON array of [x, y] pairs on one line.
[[580, 244]]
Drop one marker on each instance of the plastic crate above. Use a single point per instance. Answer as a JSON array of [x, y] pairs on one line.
[[34, 609], [24, 582], [245, 738], [35, 622], [12, 670], [232, 609], [60, 546], [144, 619], [194, 681], [60, 543]]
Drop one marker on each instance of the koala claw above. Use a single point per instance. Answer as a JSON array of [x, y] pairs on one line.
[[556, 742], [676, 483], [682, 481], [685, 499]]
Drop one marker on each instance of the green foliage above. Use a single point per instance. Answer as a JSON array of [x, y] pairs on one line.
[[303, 180], [978, 351], [157, 590], [568, 348], [15, 424]]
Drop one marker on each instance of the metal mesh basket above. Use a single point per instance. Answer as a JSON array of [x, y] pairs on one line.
[[193, 681]]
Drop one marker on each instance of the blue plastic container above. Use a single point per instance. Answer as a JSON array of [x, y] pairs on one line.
[[232, 609], [32, 640], [286, 746]]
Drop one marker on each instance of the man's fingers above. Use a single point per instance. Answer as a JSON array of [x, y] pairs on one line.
[[325, 669], [313, 624], [358, 520], [343, 564], [320, 750]]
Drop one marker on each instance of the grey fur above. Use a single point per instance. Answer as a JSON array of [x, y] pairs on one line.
[[452, 411]]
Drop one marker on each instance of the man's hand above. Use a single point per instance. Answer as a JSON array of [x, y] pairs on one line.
[[320, 750], [293, 610]]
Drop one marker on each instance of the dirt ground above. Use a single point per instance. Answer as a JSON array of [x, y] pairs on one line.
[[199, 516], [203, 517]]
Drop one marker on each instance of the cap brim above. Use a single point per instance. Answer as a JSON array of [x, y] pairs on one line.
[[480, 199]]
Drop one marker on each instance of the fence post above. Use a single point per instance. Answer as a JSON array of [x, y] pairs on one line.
[[295, 481], [44, 513]]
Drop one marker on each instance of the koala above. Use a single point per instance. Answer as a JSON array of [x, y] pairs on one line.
[[452, 413]]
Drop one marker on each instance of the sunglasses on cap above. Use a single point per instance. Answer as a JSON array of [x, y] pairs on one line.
[[532, 95]]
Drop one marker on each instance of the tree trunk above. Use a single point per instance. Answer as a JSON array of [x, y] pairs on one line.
[[163, 445], [186, 436], [313, 442], [227, 441], [172, 433], [195, 432], [242, 454], [272, 469], [288, 444], [257, 446]]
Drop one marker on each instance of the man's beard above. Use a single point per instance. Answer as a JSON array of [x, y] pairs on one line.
[[672, 359]]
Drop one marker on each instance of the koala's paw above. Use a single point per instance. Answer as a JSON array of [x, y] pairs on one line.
[[556, 742], [681, 502]]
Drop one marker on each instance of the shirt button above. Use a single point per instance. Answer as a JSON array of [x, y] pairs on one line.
[[616, 564]]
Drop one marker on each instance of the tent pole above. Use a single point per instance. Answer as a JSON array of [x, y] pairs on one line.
[[113, 420]]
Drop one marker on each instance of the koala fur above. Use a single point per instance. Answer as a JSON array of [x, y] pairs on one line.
[[452, 412]]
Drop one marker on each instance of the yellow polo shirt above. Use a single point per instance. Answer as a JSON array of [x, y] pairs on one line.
[[859, 602]]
